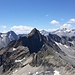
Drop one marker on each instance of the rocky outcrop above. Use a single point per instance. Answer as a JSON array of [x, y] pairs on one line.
[[9, 55]]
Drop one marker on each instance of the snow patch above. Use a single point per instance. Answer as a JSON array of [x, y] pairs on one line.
[[14, 49], [1, 35], [66, 46], [58, 43], [56, 72], [20, 60], [37, 73]]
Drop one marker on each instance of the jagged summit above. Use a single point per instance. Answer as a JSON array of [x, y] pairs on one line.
[[34, 31], [10, 31], [34, 40]]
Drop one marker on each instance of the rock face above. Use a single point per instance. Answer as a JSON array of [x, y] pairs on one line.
[[45, 51], [8, 56]]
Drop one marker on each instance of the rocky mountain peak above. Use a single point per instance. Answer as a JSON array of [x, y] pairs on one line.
[[34, 40], [12, 33], [34, 32]]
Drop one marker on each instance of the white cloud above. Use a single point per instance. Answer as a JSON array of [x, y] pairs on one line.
[[71, 20], [21, 29], [54, 22], [3, 26], [66, 25]]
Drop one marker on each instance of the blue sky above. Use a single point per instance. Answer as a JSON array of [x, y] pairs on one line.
[[23, 15]]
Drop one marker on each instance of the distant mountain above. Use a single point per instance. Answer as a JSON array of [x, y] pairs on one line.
[[5, 38], [60, 32], [43, 32], [65, 32]]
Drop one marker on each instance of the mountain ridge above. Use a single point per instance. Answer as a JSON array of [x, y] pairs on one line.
[[50, 51]]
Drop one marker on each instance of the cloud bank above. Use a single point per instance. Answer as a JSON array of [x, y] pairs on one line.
[[21, 29]]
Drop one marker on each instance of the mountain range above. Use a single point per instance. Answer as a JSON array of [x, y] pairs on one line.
[[60, 32], [65, 32], [6, 38], [38, 53]]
